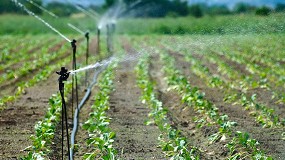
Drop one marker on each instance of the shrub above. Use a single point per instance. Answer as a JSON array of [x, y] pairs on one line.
[[196, 11], [263, 11]]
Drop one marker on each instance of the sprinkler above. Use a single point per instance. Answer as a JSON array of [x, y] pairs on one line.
[[74, 77], [113, 26], [74, 47], [63, 75], [110, 32], [87, 55], [108, 38], [98, 40], [113, 29]]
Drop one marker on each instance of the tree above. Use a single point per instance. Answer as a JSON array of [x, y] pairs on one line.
[[263, 11], [7, 6], [61, 9], [196, 11], [218, 10], [153, 8], [280, 7], [180, 7], [34, 8], [242, 8], [109, 3]]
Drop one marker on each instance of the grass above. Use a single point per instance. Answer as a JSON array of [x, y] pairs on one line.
[[230, 24], [23, 25]]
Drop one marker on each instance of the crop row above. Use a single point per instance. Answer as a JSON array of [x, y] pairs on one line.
[[10, 54], [46, 128], [241, 145], [263, 60], [235, 88], [22, 86], [44, 62], [172, 143], [101, 137], [43, 59]]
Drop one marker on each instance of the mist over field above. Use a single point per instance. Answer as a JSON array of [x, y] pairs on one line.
[[142, 79], [229, 3]]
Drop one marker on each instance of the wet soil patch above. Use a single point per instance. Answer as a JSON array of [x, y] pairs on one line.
[[182, 117], [270, 139], [134, 139], [18, 119]]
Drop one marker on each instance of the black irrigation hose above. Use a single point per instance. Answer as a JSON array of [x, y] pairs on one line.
[[63, 77], [76, 113]]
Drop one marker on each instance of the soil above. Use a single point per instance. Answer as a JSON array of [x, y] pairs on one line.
[[270, 138], [134, 139], [81, 135], [263, 95], [18, 119], [182, 117]]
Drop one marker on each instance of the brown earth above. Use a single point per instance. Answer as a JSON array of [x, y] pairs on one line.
[[19, 118], [134, 139], [270, 138], [182, 117]]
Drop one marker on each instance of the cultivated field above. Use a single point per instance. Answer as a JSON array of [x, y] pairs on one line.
[[191, 96]]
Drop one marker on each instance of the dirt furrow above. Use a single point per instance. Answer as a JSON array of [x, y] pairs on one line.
[[269, 138], [81, 135], [182, 117], [264, 96], [10, 86], [134, 140], [18, 120]]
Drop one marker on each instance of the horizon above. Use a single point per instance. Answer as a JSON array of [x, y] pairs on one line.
[[229, 3]]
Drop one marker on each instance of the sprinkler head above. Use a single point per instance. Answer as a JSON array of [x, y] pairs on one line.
[[64, 74], [73, 43], [87, 35]]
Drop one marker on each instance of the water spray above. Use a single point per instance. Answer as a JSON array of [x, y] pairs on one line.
[[40, 19], [90, 14], [94, 12], [110, 35], [63, 76], [98, 39], [87, 55], [86, 35], [75, 28], [108, 38], [42, 8], [125, 58], [74, 77]]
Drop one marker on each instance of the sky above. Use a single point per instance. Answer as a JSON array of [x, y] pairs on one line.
[[229, 3]]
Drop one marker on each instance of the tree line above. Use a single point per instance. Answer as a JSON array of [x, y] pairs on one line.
[[146, 8]]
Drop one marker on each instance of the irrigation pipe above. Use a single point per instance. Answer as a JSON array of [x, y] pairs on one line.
[[76, 113]]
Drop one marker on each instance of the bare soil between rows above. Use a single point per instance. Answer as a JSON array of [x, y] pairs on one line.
[[18, 119], [134, 139], [270, 138]]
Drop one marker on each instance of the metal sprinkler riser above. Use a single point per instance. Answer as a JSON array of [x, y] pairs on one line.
[[98, 40], [64, 74]]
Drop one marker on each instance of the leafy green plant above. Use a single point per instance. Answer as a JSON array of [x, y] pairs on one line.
[[170, 140], [100, 135], [195, 99]]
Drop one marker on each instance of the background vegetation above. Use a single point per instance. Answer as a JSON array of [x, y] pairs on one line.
[[151, 8], [176, 17]]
